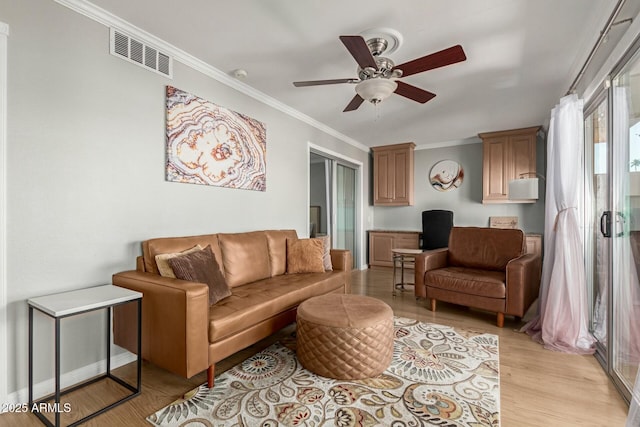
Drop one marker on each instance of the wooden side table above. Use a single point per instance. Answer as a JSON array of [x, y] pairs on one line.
[[401, 257], [66, 304]]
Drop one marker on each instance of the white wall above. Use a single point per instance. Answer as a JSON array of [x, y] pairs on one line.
[[86, 153], [465, 201]]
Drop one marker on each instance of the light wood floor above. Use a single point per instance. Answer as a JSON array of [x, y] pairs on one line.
[[538, 387]]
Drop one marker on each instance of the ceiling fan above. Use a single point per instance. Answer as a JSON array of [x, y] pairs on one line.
[[378, 77]]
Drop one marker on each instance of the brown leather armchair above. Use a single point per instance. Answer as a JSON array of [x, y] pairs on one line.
[[485, 268]]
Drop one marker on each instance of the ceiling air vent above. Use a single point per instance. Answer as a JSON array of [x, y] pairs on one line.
[[140, 53]]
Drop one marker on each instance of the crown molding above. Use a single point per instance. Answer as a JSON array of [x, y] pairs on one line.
[[108, 19]]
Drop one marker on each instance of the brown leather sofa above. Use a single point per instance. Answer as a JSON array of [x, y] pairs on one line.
[[485, 268], [183, 334]]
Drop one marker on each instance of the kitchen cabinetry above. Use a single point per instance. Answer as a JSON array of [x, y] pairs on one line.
[[507, 155], [382, 241], [393, 174]]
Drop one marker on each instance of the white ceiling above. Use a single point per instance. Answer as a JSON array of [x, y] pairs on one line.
[[522, 56]]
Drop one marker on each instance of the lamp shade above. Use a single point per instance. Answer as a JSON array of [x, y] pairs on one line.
[[523, 189], [376, 90]]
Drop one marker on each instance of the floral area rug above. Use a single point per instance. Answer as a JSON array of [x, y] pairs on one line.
[[438, 376]]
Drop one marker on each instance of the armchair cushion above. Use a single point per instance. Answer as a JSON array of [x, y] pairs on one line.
[[472, 281], [484, 248]]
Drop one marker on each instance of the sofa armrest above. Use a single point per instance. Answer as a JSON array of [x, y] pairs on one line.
[[522, 284], [341, 260], [428, 260], [175, 316]]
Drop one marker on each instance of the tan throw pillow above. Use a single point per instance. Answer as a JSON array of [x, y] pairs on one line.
[[201, 266], [304, 256], [326, 255], [162, 261]]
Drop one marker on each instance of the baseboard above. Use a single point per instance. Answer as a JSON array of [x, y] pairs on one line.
[[76, 376]]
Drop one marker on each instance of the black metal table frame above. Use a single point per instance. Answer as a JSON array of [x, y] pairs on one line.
[[58, 393]]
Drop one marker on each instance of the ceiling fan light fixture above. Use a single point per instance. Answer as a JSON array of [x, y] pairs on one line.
[[376, 90]]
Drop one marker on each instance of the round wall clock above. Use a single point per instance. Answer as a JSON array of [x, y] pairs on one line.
[[446, 175]]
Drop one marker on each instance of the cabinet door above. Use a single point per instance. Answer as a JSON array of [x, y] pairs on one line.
[[384, 174], [523, 156], [506, 155], [380, 245], [406, 241], [494, 166], [403, 174], [393, 174]]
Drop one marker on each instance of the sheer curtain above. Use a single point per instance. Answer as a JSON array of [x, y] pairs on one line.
[[563, 314]]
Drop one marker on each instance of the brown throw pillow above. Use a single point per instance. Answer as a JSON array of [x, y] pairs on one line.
[[201, 266], [162, 261], [326, 255], [305, 256]]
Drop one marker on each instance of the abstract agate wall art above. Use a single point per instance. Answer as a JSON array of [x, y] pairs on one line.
[[446, 175], [212, 145]]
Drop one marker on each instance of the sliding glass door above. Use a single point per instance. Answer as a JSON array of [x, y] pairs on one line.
[[334, 195], [625, 236], [612, 213], [346, 209], [598, 220]]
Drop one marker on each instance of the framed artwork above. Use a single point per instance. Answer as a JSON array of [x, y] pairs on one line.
[[211, 145], [446, 175], [503, 222]]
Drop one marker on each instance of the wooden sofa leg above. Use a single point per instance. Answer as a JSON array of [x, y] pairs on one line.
[[433, 304], [210, 374], [500, 321]]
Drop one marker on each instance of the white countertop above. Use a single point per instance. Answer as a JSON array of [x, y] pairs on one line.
[[66, 303]]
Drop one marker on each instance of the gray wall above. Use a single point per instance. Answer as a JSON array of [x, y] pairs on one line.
[[86, 153], [465, 201]]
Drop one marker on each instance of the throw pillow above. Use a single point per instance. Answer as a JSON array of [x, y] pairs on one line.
[[162, 261], [326, 255], [305, 256], [201, 266]]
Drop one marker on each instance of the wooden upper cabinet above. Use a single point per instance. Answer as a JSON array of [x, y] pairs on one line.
[[505, 156], [393, 174]]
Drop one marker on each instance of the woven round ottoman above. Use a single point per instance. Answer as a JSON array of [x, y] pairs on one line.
[[345, 336]]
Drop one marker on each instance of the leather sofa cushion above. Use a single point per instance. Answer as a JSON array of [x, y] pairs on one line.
[[471, 281], [245, 257], [484, 248], [277, 241], [255, 302], [165, 245]]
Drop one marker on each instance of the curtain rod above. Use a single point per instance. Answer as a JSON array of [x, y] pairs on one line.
[[601, 38]]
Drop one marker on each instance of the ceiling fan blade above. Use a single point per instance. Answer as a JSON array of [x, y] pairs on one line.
[[435, 60], [354, 104], [358, 48], [324, 82], [414, 93]]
